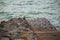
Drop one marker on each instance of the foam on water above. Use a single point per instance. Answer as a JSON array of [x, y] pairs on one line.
[[49, 9]]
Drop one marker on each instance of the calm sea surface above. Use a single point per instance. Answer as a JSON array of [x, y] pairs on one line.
[[49, 9]]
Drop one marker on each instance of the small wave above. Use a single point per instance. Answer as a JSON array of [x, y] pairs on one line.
[[3, 3]]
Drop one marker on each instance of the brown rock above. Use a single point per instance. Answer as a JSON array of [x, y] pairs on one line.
[[4, 38], [41, 29], [42, 23]]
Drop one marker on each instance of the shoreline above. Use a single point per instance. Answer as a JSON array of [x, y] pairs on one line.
[[26, 29]]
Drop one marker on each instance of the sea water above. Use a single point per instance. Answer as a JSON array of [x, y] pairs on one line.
[[49, 9]]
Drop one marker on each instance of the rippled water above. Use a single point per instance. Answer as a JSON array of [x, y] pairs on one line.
[[49, 9]]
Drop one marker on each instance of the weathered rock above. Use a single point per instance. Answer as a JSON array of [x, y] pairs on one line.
[[41, 22], [2, 24], [25, 29]]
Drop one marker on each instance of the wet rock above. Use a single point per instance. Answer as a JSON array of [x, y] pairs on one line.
[[2, 24]]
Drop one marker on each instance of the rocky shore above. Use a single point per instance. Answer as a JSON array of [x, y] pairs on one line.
[[28, 29]]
